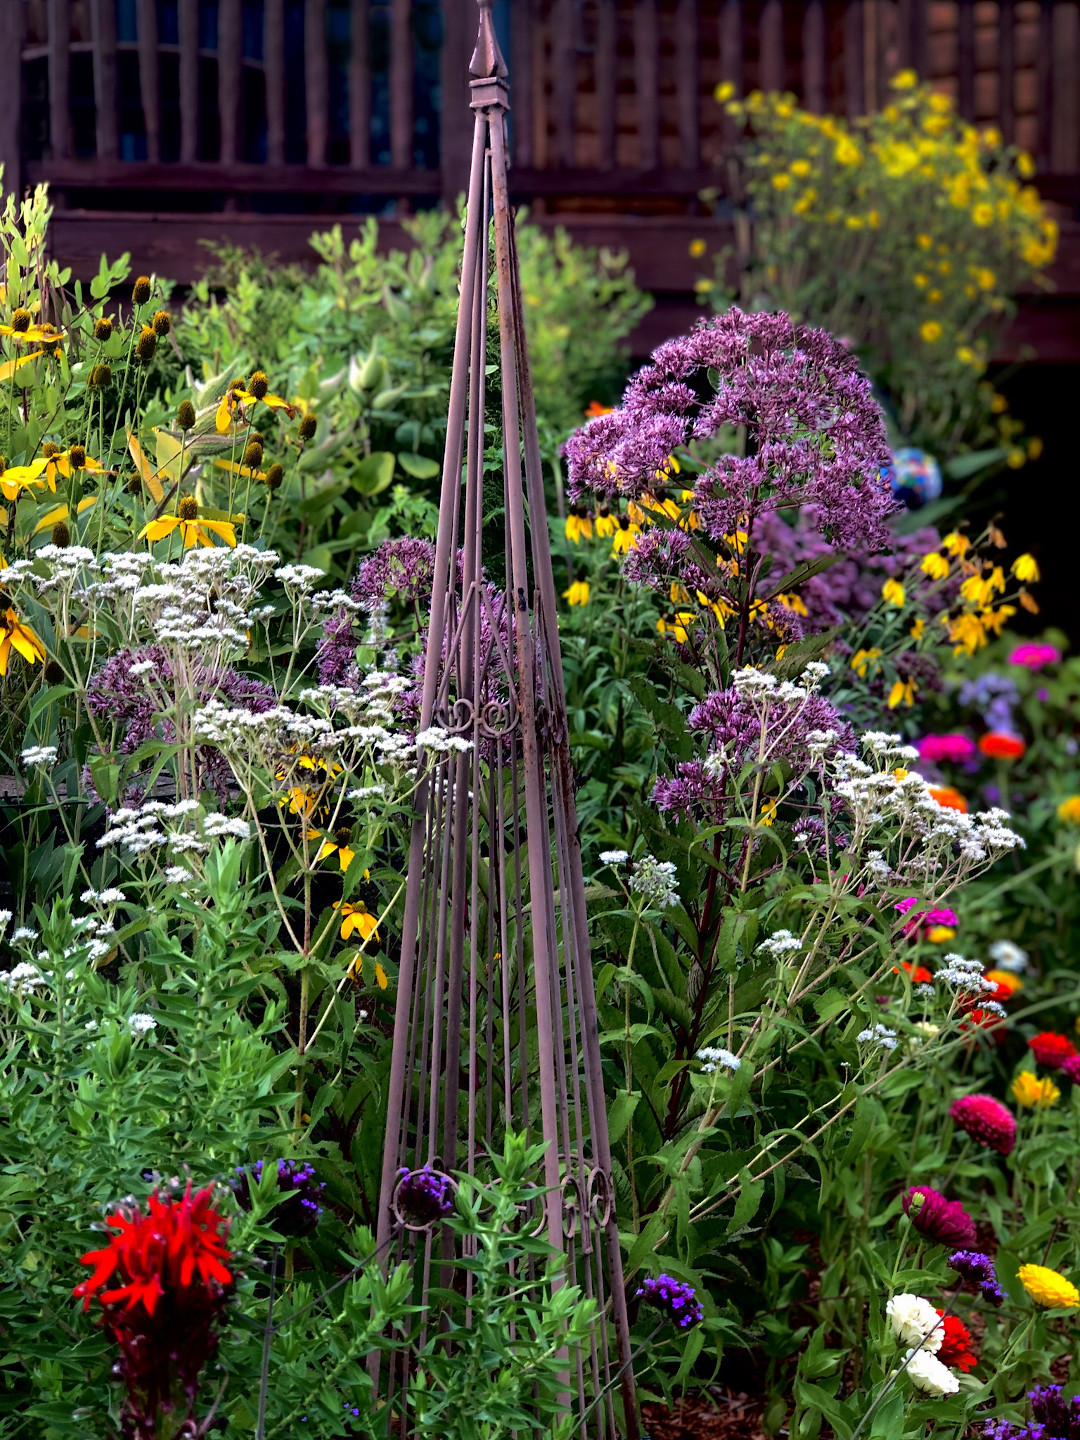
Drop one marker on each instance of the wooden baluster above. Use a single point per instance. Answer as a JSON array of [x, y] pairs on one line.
[[401, 85], [148, 77], [771, 39], [103, 23], [316, 82], [522, 40], [814, 62], [564, 46], [1007, 69], [1065, 91], [11, 36], [646, 86], [965, 58], [274, 75], [455, 141], [1044, 85], [360, 87], [854, 60], [59, 79], [606, 62], [732, 68], [911, 35], [688, 82], [230, 78], [188, 27]]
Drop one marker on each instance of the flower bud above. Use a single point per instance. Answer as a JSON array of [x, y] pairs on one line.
[[161, 323], [146, 345], [61, 535], [274, 477], [102, 328], [253, 454], [100, 377], [140, 291], [308, 425], [188, 508], [185, 415]]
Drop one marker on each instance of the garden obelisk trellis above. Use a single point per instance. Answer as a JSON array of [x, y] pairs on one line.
[[496, 1016]]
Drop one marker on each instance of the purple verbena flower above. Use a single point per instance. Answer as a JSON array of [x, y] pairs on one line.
[[297, 1214], [675, 1300], [423, 1196]]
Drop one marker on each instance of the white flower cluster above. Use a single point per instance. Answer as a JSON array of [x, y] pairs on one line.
[[964, 975], [439, 742], [24, 978], [929, 1374], [654, 881], [1008, 956], [93, 941], [152, 826], [39, 755], [879, 1035], [780, 942], [613, 857], [141, 1024], [712, 1056], [757, 684]]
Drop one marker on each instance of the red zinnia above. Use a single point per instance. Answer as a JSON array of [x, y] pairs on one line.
[[956, 1338], [985, 1120], [1051, 1050], [999, 746]]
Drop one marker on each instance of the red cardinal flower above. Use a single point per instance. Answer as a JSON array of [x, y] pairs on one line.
[[1051, 1050], [169, 1273], [955, 1340]]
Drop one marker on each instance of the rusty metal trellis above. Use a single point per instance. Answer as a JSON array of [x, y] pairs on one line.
[[496, 1014]]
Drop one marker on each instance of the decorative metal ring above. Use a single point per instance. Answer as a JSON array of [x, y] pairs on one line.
[[420, 1227]]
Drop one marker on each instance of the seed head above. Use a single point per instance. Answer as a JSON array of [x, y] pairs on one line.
[[188, 508], [343, 834], [77, 457], [274, 477], [102, 328], [61, 535], [162, 322], [185, 415], [134, 486], [146, 345], [49, 449], [258, 385], [3, 464], [100, 377], [253, 454], [20, 321], [308, 425], [54, 673], [140, 291]]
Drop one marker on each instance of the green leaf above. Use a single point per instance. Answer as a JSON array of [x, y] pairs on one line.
[[375, 473], [420, 467], [621, 1112], [746, 1206]]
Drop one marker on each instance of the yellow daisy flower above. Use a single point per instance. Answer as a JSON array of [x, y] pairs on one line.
[[193, 531]]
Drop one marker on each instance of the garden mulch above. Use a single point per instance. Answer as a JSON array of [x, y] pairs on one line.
[[722, 1415]]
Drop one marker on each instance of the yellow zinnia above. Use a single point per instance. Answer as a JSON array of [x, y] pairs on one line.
[[1034, 1094], [1070, 809], [1047, 1288]]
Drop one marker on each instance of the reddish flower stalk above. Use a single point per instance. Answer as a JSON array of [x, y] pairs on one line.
[[170, 1281]]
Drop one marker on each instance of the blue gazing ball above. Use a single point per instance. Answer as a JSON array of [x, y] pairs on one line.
[[914, 478]]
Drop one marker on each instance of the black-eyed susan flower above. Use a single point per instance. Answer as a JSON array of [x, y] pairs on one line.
[[605, 522], [356, 970], [678, 626], [935, 565], [892, 592], [237, 397], [918, 629], [862, 660], [357, 919], [16, 635], [338, 844], [902, 693], [1025, 567], [193, 531], [625, 537], [578, 525], [578, 593], [67, 462], [24, 332]]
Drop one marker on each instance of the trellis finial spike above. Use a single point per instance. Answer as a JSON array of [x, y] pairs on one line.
[[487, 61]]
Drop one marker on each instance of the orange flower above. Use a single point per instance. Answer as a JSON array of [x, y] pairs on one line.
[[949, 797], [999, 746]]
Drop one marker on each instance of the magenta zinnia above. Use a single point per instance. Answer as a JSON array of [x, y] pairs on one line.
[[985, 1120], [946, 1222]]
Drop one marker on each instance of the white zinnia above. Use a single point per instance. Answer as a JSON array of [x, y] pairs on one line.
[[929, 1374], [915, 1322]]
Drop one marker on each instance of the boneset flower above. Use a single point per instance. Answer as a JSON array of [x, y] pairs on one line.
[[985, 1120], [675, 1300], [170, 1277], [946, 1222]]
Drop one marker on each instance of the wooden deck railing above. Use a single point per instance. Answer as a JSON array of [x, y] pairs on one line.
[[336, 99]]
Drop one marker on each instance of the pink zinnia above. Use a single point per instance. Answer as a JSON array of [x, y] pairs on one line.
[[946, 1222], [1071, 1069], [985, 1120], [928, 918], [1034, 657], [955, 748]]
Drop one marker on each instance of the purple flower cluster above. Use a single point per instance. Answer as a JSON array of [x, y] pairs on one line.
[[296, 1178], [995, 697], [423, 1196], [815, 434], [140, 702], [978, 1269], [675, 1300], [402, 570], [945, 1222], [732, 727], [1055, 1418]]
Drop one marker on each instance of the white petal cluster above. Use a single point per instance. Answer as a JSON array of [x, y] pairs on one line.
[[930, 1375], [39, 755], [1007, 955], [654, 881], [879, 1035], [712, 1056], [780, 942], [915, 1322]]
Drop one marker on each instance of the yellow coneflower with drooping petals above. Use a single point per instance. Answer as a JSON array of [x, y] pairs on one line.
[[892, 592], [16, 635], [193, 531], [578, 593]]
